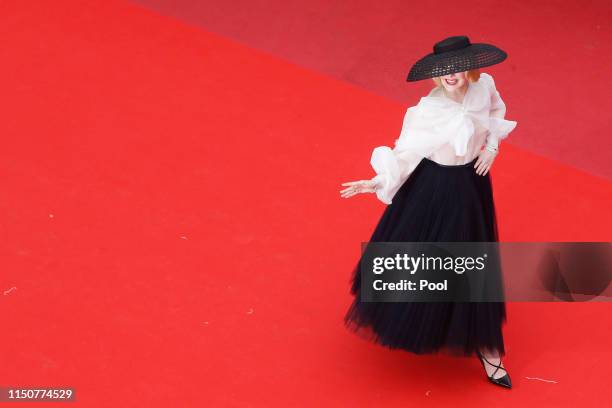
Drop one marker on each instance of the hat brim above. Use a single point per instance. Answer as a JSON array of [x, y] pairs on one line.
[[473, 56]]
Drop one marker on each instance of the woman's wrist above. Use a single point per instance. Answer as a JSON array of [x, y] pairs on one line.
[[377, 181], [492, 142], [492, 149]]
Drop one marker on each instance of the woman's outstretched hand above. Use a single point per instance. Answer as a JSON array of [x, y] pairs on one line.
[[484, 162], [356, 187]]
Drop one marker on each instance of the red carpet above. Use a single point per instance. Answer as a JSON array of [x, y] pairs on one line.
[[559, 55], [173, 233]]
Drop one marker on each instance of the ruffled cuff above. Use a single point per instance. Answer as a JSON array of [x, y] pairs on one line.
[[500, 128], [387, 170]]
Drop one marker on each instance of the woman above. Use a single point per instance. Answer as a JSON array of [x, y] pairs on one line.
[[437, 186]]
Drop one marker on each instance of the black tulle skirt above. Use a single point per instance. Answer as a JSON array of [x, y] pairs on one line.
[[437, 203]]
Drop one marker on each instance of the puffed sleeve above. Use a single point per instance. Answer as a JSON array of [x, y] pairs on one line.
[[394, 166], [499, 127]]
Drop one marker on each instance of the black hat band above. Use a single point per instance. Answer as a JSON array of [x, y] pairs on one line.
[[451, 44]]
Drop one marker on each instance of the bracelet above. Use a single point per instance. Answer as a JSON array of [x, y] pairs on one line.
[[492, 148]]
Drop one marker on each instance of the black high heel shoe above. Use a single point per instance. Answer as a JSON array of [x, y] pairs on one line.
[[502, 381]]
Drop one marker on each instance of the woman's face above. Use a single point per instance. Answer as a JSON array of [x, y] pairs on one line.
[[452, 82]]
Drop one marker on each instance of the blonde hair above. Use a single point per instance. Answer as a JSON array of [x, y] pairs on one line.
[[472, 75]]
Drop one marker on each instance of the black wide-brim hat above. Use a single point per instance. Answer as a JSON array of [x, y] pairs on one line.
[[455, 54]]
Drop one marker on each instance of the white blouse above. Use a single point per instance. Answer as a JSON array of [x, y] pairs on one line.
[[442, 130]]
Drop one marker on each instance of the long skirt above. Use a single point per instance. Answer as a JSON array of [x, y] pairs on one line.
[[437, 203]]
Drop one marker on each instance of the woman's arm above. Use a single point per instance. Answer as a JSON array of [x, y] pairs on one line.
[[392, 167], [498, 110], [499, 128]]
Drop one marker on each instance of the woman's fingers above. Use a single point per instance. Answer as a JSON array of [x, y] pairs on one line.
[[479, 167], [346, 192], [353, 188], [356, 187], [349, 194], [485, 166], [350, 190]]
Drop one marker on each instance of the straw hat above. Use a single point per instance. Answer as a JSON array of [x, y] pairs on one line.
[[455, 54]]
